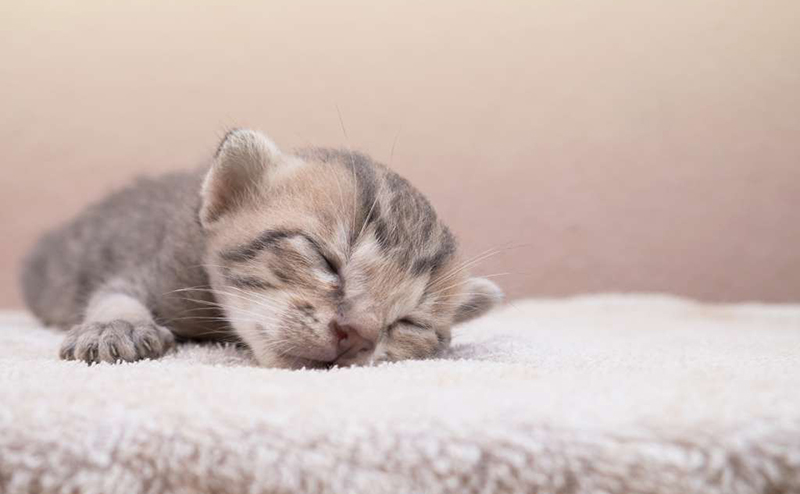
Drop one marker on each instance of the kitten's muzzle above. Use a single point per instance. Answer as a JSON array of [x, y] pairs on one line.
[[351, 345]]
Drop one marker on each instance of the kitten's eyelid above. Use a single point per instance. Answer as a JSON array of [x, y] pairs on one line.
[[330, 263], [410, 322], [332, 266]]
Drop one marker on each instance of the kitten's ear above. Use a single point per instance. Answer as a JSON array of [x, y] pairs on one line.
[[239, 170], [481, 295]]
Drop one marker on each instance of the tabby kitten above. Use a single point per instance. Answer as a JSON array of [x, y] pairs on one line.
[[313, 259]]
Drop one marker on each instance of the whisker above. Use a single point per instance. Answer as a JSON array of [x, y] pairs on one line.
[[352, 167], [465, 265], [265, 303], [187, 289], [367, 218], [230, 308], [475, 260], [394, 142], [464, 282], [243, 295], [222, 336], [198, 318]]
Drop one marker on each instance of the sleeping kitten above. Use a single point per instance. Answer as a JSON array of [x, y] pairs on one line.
[[313, 259]]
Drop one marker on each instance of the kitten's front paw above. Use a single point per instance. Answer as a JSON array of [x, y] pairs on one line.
[[116, 340]]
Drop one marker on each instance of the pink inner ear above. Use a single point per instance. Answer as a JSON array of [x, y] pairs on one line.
[[227, 187], [240, 166]]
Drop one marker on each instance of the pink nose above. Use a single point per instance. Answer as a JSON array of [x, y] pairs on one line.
[[349, 340]]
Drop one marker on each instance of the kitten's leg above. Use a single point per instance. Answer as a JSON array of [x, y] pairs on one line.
[[117, 326]]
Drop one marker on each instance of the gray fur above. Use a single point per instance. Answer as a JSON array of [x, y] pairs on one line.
[[147, 234], [116, 340], [191, 254]]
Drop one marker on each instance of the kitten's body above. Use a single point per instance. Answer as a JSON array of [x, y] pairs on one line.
[[147, 234], [316, 258]]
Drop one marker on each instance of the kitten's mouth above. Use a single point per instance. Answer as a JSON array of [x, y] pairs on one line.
[[296, 362], [344, 359], [348, 357]]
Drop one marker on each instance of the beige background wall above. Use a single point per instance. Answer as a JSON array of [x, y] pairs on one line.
[[625, 144]]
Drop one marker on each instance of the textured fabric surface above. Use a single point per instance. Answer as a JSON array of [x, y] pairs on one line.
[[605, 394]]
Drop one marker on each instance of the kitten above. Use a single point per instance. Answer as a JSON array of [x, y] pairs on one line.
[[312, 259]]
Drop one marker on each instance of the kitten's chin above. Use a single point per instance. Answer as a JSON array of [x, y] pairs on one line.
[[281, 361], [284, 361]]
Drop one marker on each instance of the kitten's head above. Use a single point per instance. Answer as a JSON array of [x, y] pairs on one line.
[[324, 258]]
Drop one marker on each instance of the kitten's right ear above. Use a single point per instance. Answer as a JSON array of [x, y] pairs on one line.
[[481, 296], [239, 169]]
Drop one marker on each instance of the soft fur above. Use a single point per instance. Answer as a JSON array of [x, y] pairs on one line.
[[619, 395], [314, 258]]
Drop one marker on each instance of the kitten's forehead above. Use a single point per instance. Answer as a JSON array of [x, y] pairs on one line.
[[402, 222]]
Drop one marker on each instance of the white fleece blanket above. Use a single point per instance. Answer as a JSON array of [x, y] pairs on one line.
[[606, 394]]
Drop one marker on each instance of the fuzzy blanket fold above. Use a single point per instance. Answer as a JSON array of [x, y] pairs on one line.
[[604, 394]]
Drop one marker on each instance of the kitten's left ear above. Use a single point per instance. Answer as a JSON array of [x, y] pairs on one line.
[[239, 171], [481, 296]]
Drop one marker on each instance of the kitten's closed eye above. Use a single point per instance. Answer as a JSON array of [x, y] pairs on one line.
[[332, 266], [412, 323], [318, 250]]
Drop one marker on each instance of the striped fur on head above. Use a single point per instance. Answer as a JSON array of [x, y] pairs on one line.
[[302, 245]]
